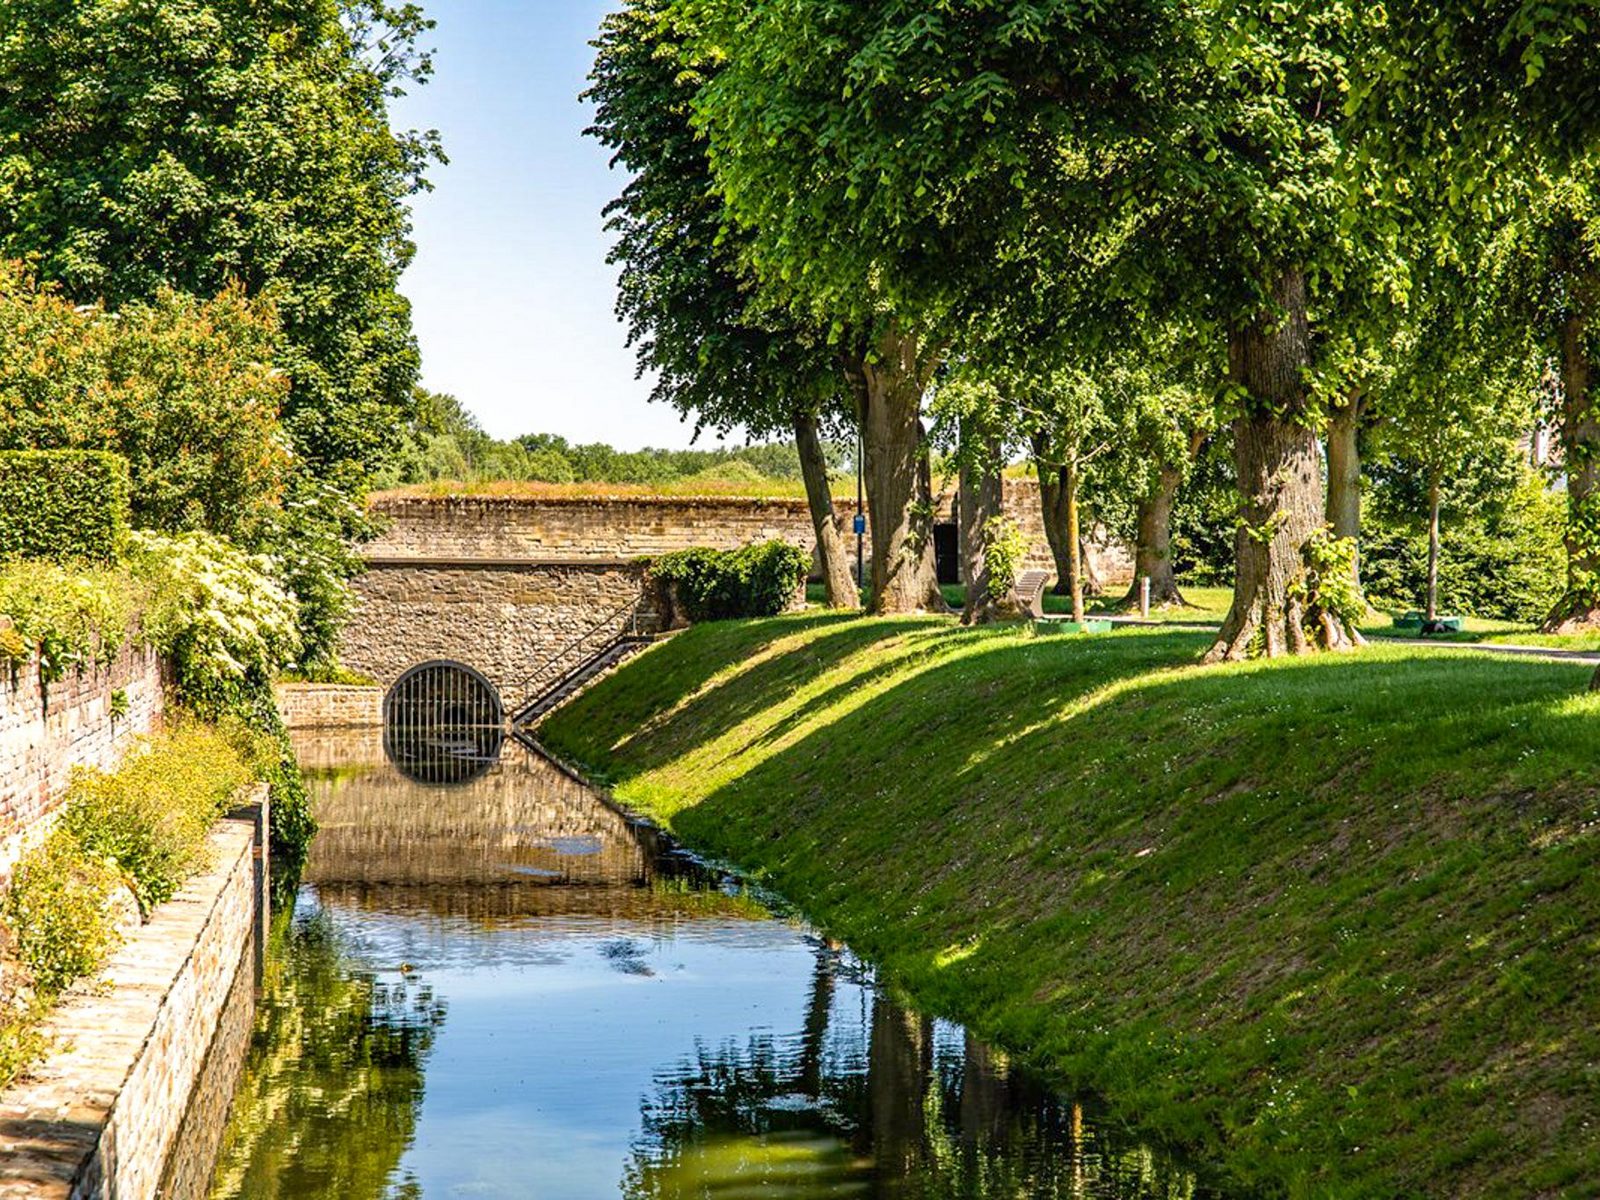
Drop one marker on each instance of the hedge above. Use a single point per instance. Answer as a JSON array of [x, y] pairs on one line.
[[718, 585], [63, 504]]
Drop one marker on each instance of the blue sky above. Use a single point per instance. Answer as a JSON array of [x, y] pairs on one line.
[[511, 292]]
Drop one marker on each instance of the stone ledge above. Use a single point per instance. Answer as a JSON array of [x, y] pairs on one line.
[[97, 1118], [330, 705]]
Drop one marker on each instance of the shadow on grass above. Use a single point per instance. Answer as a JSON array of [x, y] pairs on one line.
[[1189, 887]]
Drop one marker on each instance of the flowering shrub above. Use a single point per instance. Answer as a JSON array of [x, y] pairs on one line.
[[215, 611]]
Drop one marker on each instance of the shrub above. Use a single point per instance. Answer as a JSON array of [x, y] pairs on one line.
[[183, 389], [59, 907], [71, 616], [717, 585], [151, 816], [215, 611], [62, 504]]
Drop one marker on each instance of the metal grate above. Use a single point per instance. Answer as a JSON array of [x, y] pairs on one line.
[[443, 723]]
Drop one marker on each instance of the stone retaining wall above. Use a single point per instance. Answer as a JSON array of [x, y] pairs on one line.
[[506, 619], [618, 529], [98, 1118], [329, 706], [48, 729]]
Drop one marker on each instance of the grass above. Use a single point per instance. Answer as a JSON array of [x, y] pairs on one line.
[[1333, 922], [773, 489]]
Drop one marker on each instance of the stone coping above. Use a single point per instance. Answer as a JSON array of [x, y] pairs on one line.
[[96, 1118], [593, 562]]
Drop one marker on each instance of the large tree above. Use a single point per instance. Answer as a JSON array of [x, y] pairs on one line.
[[718, 353], [195, 144]]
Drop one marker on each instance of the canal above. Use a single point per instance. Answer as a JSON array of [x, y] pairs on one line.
[[505, 988]]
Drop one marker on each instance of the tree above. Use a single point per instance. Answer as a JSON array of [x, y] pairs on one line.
[[693, 312], [1450, 415], [186, 145]]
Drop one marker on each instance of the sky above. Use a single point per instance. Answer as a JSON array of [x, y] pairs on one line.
[[512, 298]]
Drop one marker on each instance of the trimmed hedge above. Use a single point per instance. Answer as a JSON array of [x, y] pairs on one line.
[[63, 504], [719, 585]]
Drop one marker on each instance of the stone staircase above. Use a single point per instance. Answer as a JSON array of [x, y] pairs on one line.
[[575, 680]]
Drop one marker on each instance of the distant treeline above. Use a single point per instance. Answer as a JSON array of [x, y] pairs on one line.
[[447, 443]]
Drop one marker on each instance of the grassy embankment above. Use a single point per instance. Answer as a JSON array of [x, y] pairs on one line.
[[1336, 922], [1209, 605]]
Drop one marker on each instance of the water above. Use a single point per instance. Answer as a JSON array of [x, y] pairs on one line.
[[505, 989]]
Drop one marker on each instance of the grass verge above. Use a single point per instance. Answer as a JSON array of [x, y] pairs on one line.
[[1335, 922]]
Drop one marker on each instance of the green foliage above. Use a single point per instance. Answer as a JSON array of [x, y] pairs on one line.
[[215, 611], [314, 545], [1503, 560], [1004, 549], [169, 145], [713, 345], [58, 907], [151, 816], [184, 390], [717, 585], [71, 617], [62, 504], [1329, 588]]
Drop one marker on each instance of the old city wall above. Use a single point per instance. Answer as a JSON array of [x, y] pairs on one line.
[[47, 729]]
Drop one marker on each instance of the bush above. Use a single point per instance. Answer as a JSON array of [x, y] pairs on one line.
[[62, 504], [59, 907], [152, 816], [182, 389], [71, 616], [718, 585]]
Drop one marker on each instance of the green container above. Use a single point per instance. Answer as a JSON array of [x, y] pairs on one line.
[[1411, 620]]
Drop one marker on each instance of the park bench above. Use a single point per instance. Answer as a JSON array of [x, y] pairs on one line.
[[1030, 592]]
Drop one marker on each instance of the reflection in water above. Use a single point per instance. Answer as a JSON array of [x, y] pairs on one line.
[[620, 1021]]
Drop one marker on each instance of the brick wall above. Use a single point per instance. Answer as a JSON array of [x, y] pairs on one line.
[[46, 730], [98, 1118]]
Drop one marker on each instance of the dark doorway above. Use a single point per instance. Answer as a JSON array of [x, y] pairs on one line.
[[947, 553]]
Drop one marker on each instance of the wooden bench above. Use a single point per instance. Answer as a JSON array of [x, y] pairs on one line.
[[1030, 592]]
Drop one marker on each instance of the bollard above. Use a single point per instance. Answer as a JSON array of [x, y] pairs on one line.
[[1144, 596]]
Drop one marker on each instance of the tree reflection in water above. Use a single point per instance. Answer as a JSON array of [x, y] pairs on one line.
[[330, 1094], [892, 1105]]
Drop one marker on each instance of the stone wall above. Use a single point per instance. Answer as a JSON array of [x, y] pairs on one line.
[[453, 529], [503, 583], [505, 618], [98, 1118], [329, 706], [47, 729]]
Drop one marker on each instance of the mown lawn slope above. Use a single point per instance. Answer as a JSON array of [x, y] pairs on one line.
[[1336, 921]]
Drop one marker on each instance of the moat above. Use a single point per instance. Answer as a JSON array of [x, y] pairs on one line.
[[505, 988]]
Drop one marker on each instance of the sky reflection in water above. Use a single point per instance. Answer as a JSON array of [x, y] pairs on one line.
[[503, 989]]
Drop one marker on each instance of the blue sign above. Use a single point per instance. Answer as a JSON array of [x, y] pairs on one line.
[[860, 524]]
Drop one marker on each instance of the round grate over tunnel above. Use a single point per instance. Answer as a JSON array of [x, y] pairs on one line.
[[443, 722]]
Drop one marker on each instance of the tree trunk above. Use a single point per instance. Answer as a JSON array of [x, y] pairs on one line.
[[1579, 607], [1053, 503], [1280, 489], [899, 496], [981, 500], [1432, 607], [1152, 552], [1074, 540], [1344, 473], [832, 557]]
